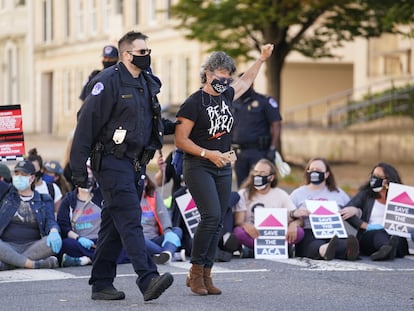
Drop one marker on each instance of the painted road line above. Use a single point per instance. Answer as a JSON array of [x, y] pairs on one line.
[[23, 275]]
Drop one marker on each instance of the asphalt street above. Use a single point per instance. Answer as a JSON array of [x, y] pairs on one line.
[[247, 284]]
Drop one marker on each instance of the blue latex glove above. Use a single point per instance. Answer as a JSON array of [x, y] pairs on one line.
[[374, 227], [171, 237], [85, 242], [54, 241]]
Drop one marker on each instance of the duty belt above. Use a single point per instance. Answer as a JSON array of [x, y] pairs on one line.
[[247, 146]]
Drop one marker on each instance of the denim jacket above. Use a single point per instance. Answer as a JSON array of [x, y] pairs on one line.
[[41, 204]]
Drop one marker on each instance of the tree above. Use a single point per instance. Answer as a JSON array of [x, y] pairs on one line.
[[310, 27]]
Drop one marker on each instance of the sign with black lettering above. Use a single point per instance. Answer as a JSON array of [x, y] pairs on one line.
[[189, 212], [325, 219], [399, 210], [272, 225], [11, 133]]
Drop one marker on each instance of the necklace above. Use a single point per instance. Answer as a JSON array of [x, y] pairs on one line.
[[212, 99]]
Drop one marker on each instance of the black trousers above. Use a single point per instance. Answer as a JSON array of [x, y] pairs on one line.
[[121, 224]]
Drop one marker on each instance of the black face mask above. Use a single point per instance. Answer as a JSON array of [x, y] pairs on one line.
[[376, 183], [108, 64], [260, 182], [316, 178], [142, 62]]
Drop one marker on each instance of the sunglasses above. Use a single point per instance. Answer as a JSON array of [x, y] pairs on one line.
[[223, 80], [141, 51]]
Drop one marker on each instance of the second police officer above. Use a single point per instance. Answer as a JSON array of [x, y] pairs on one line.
[[256, 131]]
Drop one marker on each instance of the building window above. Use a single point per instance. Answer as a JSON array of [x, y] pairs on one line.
[[67, 18], [47, 12], [67, 91], [119, 6], [135, 12], [92, 17], [80, 24], [11, 76], [106, 9], [152, 13]]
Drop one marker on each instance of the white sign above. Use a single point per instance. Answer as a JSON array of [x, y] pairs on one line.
[[189, 211], [399, 210], [325, 219], [272, 226]]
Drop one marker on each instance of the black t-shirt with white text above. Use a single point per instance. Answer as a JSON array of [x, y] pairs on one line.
[[212, 117]]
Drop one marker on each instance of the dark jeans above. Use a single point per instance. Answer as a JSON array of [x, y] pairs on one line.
[[210, 188], [309, 246], [371, 241], [121, 225]]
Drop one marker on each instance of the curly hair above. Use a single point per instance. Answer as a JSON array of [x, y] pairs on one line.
[[217, 60]]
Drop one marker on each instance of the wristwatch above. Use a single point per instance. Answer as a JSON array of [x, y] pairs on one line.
[[292, 215], [203, 153]]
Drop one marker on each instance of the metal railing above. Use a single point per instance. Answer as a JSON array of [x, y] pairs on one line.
[[333, 110]]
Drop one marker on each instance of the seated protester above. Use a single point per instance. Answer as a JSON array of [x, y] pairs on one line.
[[79, 218], [374, 241], [29, 234], [161, 238], [42, 186], [320, 185], [53, 173], [260, 190], [5, 174]]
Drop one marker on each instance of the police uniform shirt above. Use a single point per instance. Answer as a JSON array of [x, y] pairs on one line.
[[212, 117], [253, 117]]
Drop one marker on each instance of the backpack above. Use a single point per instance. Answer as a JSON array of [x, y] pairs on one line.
[[51, 190]]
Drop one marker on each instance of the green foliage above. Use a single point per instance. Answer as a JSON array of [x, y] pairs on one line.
[[310, 27]]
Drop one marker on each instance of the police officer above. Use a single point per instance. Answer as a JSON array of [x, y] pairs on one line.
[[109, 58], [256, 131], [120, 127]]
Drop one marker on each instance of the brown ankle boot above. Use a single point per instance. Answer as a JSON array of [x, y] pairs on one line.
[[195, 280], [208, 281]]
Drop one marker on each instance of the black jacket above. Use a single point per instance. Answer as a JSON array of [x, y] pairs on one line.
[[117, 100]]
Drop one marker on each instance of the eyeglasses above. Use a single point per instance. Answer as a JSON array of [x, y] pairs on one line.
[[223, 79], [141, 51]]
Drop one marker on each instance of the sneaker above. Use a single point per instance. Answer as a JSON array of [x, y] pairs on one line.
[[381, 254], [48, 263], [393, 241], [69, 261], [352, 248], [162, 258], [246, 252], [109, 293], [180, 256], [157, 286], [331, 249]]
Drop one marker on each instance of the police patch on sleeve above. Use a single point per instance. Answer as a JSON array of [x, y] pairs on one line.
[[273, 102], [97, 89]]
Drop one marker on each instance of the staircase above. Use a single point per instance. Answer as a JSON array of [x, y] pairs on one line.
[[355, 105]]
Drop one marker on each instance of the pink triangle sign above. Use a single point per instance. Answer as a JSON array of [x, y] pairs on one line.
[[322, 211], [271, 221], [190, 205], [403, 198]]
